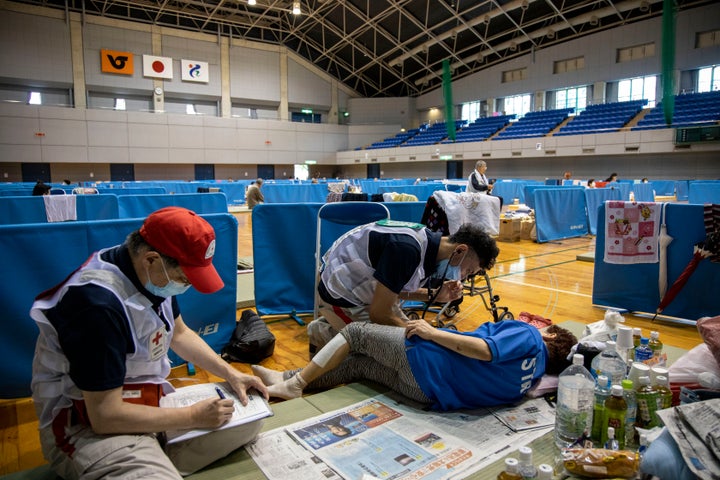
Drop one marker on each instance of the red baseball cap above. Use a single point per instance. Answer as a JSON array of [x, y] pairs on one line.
[[183, 235]]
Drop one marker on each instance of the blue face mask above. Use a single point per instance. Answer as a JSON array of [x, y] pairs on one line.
[[172, 288], [450, 272]]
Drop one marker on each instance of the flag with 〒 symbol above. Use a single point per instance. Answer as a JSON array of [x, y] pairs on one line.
[[193, 71], [157, 67], [112, 61]]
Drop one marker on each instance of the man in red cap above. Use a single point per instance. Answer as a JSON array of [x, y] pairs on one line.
[[101, 357]]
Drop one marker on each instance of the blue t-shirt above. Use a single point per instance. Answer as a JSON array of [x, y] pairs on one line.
[[455, 381]]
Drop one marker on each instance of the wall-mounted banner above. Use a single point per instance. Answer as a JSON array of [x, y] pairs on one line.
[[112, 61], [193, 71], [157, 67]]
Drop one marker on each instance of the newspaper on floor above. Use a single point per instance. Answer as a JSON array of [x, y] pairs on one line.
[[695, 427], [382, 438], [529, 415]]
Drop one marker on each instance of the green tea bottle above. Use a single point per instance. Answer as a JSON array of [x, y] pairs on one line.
[[615, 413]]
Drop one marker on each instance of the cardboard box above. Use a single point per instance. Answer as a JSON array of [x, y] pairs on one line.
[[510, 229], [245, 296]]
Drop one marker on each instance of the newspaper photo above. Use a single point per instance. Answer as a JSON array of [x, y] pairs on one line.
[[381, 438]]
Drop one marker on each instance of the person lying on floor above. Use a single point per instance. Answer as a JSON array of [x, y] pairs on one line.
[[369, 272], [446, 369]]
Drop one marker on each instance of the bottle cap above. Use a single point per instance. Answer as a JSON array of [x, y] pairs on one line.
[[654, 335], [611, 432], [578, 359], [644, 380], [525, 455], [637, 331], [603, 380], [512, 465], [617, 391], [644, 341], [661, 380], [627, 384], [545, 471]]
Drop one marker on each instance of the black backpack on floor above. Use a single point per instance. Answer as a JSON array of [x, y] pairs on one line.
[[251, 341]]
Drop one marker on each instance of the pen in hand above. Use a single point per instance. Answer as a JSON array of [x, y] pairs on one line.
[[220, 393]]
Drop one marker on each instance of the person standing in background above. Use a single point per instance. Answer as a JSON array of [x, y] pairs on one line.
[[253, 196], [477, 181]]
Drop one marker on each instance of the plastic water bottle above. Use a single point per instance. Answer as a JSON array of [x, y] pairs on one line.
[[643, 352], [574, 411], [631, 400], [655, 344], [610, 363], [512, 470], [527, 469], [615, 412], [602, 392]]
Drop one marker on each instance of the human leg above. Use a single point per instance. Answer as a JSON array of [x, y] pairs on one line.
[[108, 456]]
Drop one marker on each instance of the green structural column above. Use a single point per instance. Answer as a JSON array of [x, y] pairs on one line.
[[447, 95]]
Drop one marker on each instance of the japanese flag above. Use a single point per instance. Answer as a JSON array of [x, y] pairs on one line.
[[157, 67], [193, 71]]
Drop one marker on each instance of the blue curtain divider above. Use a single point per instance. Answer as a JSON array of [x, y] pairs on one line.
[[35, 257], [594, 198], [635, 287], [29, 209]]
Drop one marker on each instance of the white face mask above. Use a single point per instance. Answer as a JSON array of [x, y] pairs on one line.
[[172, 288], [447, 271]]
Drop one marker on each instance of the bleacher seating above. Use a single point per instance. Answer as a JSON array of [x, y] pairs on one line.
[[535, 124], [602, 118], [692, 109], [395, 141], [432, 134], [481, 129]]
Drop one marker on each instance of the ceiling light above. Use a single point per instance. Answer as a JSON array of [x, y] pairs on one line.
[[252, 2], [296, 8]]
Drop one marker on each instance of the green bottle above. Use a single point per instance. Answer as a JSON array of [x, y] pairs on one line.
[[615, 413], [602, 392], [647, 400], [664, 392]]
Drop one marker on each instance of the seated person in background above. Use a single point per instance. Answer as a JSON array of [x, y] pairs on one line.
[[41, 189], [644, 180], [591, 183], [370, 271], [253, 196], [67, 182], [567, 175], [106, 330], [443, 368], [612, 178]]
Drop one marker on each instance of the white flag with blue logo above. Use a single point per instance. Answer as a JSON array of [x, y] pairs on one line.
[[193, 71]]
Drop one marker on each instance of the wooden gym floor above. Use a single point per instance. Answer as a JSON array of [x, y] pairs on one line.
[[542, 279]]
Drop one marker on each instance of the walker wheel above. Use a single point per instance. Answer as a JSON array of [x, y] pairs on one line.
[[413, 316], [506, 316], [451, 311]]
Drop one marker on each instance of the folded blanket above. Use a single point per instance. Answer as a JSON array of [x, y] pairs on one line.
[[631, 232], [60, 208], [478, 209]]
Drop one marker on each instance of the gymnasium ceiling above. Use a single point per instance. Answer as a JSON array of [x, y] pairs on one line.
[[388, 48]]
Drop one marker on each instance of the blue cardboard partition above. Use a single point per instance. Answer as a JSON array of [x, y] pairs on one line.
[[406, 211], [560, 212], [681, 189], [635, 287], [35, 257], [664, 188], [509, 191], [132, 190], [136, 206], [704, 192], [295, 193], [29, 209], [284, 257], [594, 197], [530, 190], [644, 192]]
